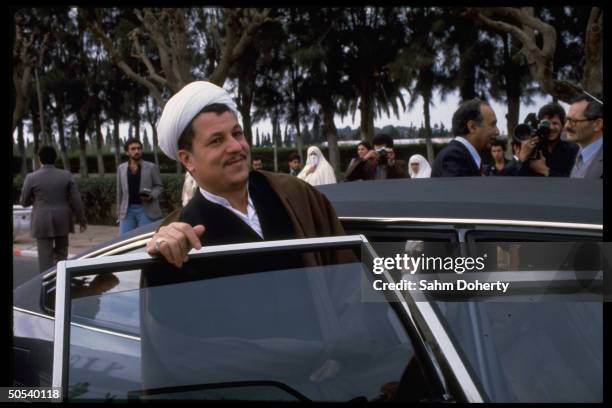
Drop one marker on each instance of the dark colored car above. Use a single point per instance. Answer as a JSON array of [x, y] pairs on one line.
[[242, 330]]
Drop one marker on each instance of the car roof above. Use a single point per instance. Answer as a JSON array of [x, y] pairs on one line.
[[509, 198]]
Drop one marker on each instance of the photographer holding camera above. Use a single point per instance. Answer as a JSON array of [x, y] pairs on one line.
[[379, 163], [138, 188], [542, 152]]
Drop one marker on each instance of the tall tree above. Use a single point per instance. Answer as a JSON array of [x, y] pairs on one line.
[[22, 150], [372, 37], [28, 49], [172, 38], [421, 66], [152, 117], [318, 51], [539, 42]]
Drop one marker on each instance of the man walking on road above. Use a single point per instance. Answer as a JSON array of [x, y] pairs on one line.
[[138, 188], [55, 197]]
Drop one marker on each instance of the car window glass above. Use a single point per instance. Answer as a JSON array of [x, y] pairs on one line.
[[231, 320], [89, 287], [545, 345], [530, 352], [528, 250]]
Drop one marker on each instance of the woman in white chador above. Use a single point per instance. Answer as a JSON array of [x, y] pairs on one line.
[[317, 170], [418, 167]]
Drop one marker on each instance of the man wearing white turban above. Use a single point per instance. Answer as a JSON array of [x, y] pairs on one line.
[[418, 167], [200, 127], [317, 170]]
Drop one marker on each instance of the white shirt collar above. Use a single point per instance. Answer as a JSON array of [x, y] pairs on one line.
[[470, 148], [250, 218]]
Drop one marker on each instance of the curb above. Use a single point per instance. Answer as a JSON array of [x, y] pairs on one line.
[[29, 253]]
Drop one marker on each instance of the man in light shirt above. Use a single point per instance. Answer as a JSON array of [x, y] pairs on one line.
[[475, 125], [584, 126]]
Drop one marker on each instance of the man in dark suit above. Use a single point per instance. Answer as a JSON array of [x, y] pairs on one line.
[[557, 156], [55, 197], [584, 126], [378, 163], [475, 125], [138, 188]]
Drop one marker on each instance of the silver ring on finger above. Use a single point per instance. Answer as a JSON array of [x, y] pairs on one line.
[[158, 242]]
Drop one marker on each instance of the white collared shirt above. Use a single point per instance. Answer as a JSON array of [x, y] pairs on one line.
[[250, 218], [470, 148]]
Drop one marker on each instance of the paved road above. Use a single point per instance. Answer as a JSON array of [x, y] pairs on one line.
[[24, 268]]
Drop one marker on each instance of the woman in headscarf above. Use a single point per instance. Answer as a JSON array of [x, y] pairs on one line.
[[418, 167], [317, 170]]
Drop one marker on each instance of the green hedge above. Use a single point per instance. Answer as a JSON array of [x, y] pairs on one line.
[[99, 192], [402, 152], [167, 165], [99, 196]]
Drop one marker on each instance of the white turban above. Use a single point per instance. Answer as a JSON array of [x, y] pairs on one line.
[[183, 107]]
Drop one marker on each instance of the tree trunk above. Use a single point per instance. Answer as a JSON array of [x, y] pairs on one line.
[[62, 138], [513, 90], [331, 133], [275, 138], [116, 141], [41, 111], [592, 77], [286, 136], [152, 121], [246, 86], [366, 107], [467, 63], [426, 113], [36, 136], [136, 120], [512, 118], [296, 111], [539, 51], [22, 150], [155, 143], [298, 137], [99, 144], [82, 127]]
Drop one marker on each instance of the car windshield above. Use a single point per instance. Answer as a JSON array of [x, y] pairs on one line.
[[235, 319]]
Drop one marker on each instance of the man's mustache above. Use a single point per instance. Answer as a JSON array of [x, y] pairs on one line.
[[233, 159]]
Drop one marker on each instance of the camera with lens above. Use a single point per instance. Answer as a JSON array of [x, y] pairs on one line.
[[145, 193], [382, 155], [530, 128]]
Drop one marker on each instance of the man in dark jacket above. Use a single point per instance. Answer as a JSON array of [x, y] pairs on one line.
[[475, 125], [199, 126], [379, 163], [558, 156], [56, 199]]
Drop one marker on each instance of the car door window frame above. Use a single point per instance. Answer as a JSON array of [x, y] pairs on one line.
[[427, 327]]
